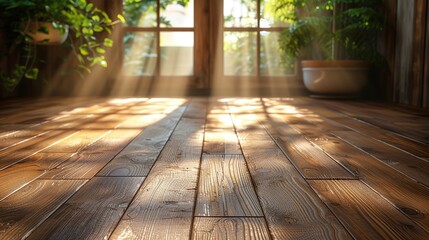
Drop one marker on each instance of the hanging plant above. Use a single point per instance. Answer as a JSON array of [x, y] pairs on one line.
[[87, 24]]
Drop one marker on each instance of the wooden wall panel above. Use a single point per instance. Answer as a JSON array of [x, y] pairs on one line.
[[404, 41], [426, 64], [410, 80]]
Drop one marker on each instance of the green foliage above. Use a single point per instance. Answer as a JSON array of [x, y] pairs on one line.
[[331, 29], [88, 26], [136, 10]]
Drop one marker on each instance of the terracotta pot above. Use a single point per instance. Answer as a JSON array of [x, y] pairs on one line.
[[338, 78], [43, 33]]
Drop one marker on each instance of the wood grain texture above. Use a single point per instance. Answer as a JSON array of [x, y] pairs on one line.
[[18, 137], [22, 151], [221, 142], [418, 132], [406, 194], [23, 211], [77, 142], [17, 176], [138, 157], [415, 168], [134, 161], [364, 213], [386, 119], [192, 128], [230, 228], [104, 199], [196, 108], [405, 144], [292, 210], [225, 188], [86, 163], [163, 207], [310, 160]]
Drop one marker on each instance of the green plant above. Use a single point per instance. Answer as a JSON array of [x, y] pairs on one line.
[[88, 26], [330, 29]]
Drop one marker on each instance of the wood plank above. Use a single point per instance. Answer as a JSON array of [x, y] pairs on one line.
[[405, 144], [221, 142], [22, 151], [334, 124], [104, 199], [139, 156], [17, 176], [253, 134], [417, 134], [196, 108], [77, 142], [364, 213], [230, 228], [378, 118], [23, 211], [405, 163], [192, 128], [225, 188], [86, 163], [385, 180], [291, 209], [163, 208], [308, 158], [407, 195], [18, 137], [219, 121], [43, 106]]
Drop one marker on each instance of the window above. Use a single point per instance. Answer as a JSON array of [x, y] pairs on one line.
[[159, 38], [250, 39]]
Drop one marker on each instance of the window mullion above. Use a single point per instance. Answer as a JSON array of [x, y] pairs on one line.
[[258, 39], [158, 37]]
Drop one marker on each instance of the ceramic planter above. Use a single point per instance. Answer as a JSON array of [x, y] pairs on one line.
[[43, 33], [336, 78]]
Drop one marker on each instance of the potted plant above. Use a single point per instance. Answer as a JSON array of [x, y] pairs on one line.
[[336, 41], [32, 22]]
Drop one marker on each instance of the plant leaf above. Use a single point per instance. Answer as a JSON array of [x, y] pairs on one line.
[[32, 73]]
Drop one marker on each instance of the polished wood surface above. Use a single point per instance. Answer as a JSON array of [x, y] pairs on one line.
[[212, 168]]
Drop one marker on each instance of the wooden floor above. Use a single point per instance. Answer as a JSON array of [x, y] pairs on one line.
[[203, 168]]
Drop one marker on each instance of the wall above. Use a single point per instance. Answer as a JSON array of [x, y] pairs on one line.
[[409, 62]]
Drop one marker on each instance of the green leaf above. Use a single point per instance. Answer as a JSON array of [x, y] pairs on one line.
[[98, 28], [96, 18], [100, 50], [121, 18], [83, 50], [32, 73], [89, 7], [108, 42], [83, 67], [80, 59]]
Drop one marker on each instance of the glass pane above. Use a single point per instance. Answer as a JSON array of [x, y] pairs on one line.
[[270, 61], [240, 13], [140, 13], [268, 16], [177, 53], [239, 53], [177, 13], [140, 54]]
